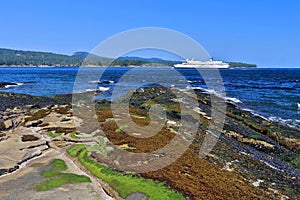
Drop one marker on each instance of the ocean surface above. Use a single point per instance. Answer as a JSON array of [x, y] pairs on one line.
[[271, 93]]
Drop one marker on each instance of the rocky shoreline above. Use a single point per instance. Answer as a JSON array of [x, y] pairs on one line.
[[254, 158]]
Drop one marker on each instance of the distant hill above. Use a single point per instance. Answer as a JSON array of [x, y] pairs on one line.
[[10, 57], [241, 65], [80, 54], [93, 59], [129, 60], [141, 59]]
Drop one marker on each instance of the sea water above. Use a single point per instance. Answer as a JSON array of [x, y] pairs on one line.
[[270, 92]]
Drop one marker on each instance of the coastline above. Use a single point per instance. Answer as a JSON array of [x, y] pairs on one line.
[[33, 66], [113, 66], [247, 138]]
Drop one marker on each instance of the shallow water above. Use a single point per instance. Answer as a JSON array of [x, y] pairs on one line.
[[272, 93]]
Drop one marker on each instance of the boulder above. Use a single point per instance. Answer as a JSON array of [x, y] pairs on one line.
[[33, 123], [18, 120], [2, 126], [32, 106], [7, 124]]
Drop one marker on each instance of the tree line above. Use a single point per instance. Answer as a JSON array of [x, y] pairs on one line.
[[9, 57]]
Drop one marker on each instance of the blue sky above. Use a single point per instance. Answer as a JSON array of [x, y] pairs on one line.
[[266, 32]]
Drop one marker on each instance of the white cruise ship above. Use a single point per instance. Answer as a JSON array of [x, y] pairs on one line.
[[200, 64]]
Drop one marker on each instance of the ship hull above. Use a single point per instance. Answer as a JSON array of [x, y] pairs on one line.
[[202, 66]]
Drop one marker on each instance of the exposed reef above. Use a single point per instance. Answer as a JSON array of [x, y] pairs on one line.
[[253, 159]]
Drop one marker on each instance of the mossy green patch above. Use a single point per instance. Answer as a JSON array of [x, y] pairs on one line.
[[75, 149], [92, 148], [74, 135], [62, 179], [126, 147], [102, 145], [293, 161], [5, 95], [124, 184], [21, 96], [121, 128], [59, 165], [256, 137], [55, 177], [54, 135]]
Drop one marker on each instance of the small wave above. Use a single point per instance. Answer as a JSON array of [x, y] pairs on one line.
[[13, 85], [288, 122], [103, 89], [195, 88], [282, 87], [90, 90], [231, 99], [227, 99], [254, 113], [95, 81], [103, 81], [293, 123]]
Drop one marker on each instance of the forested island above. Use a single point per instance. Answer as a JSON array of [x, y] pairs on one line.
[[10, 57], [241, 65]]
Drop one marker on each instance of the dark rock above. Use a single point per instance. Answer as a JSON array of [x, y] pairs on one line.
[[5, 125], [3, 84], [2, 126], [28, 138], [34, 123], [32, 106]]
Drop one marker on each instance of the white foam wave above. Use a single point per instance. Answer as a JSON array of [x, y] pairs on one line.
[[96, 81], [235, 100], [254, 113], [17, 84], [103, 89], [293, 123], [227, 99], [196, 88], [90, 90]]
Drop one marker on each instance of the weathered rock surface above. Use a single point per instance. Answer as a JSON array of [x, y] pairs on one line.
[[249, 149]]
